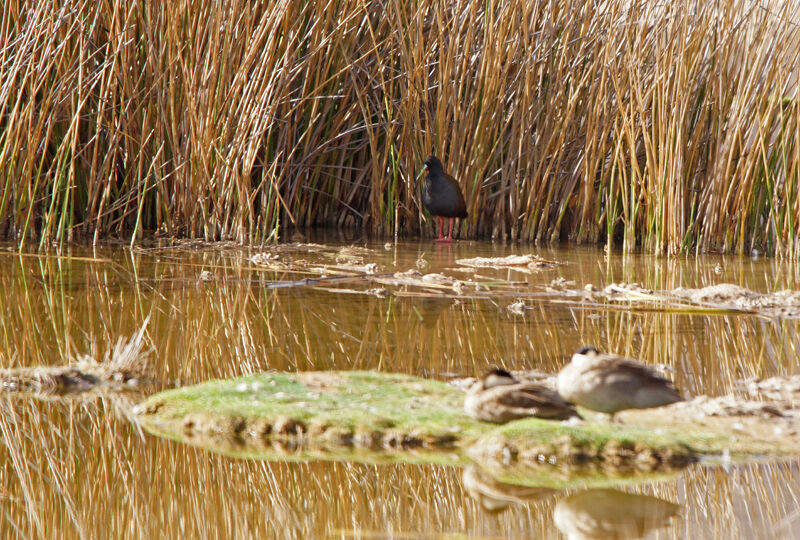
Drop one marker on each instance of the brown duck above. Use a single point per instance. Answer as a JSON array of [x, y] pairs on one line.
[[499, 397], [609, 383], [442, 197]]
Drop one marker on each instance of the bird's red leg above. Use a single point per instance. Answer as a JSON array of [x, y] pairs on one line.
[[441, 237], [449, 237]]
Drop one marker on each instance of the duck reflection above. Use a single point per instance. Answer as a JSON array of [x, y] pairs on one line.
[[430, 309], [495, 496], [609, 513]]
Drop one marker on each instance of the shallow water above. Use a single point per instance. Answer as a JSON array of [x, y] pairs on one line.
[[77, 467]]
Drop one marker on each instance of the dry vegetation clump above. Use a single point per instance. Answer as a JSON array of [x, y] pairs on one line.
[[671, 125], [124, 367]]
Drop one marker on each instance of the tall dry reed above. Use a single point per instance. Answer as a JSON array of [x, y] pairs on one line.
[[668, 125]]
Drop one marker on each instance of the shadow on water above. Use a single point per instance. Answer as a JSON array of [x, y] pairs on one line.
[[79, 468]]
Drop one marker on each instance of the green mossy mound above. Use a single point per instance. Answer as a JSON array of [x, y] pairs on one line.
[[362, 408], [338, 414]]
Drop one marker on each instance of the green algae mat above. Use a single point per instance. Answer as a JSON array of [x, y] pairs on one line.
[[372, 416]]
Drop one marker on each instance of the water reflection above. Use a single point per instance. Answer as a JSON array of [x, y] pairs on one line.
[[609, 513], [78, 469], [496, 496], [431, 308]]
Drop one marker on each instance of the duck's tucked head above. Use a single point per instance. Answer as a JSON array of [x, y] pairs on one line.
[[498, 377], [585, 353], [432, 164]]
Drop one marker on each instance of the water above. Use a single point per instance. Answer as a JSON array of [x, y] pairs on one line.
[[77, 467]]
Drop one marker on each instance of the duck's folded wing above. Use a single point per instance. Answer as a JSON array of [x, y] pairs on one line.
[[624, 371], [530, 396]]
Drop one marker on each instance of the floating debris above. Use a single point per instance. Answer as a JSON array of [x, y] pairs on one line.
[[528, 261], [628, 291], [784, 303], [438, 279], [408, 274], [345, 268], [437, 282], [205, 275], [351, 263], [380, 292], [560, 284], [589, 292], [264, 258], [298, 247], [355, 251], [717, 294], [517, 308]]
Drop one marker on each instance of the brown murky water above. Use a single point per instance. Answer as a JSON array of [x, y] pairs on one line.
[[78, 467]]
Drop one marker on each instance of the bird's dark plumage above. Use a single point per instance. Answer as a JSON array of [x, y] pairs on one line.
[[442, 195]]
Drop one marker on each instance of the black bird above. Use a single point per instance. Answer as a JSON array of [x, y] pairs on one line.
[[442, 197]]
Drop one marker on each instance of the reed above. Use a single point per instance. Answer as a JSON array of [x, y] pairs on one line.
[[669, 126]]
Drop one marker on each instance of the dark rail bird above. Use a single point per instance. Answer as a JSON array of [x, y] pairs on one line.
[[442, 197]]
